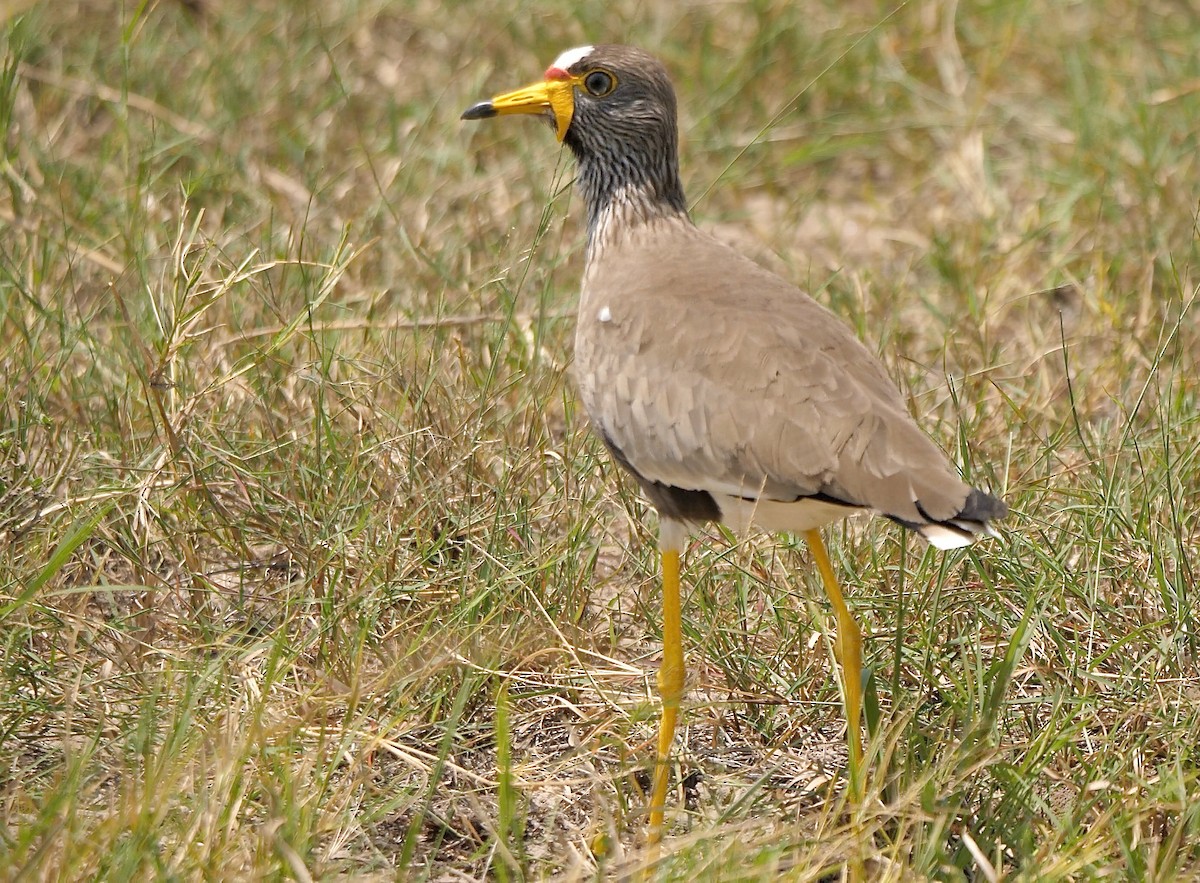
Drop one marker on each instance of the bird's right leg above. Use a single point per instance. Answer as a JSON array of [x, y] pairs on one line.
[[671, 672]]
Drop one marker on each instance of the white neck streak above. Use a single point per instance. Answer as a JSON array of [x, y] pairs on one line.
[[627, 212]]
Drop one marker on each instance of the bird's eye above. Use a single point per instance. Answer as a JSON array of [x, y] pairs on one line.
[[599, 83]]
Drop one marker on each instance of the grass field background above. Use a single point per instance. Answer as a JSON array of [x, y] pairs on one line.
[[309, 565]]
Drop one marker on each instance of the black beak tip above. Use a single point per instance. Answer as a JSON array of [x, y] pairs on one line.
[[481, 111]]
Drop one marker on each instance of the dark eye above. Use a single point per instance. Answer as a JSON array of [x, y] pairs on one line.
[[599, 83]]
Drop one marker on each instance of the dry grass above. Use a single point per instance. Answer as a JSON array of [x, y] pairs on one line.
[[311, 568]]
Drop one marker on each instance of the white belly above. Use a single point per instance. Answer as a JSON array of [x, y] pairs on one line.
[[805, 514]]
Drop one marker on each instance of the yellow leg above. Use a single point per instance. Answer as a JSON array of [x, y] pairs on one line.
[[670, 687], [850, 655]]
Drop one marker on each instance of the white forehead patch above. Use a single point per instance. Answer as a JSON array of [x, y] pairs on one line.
[[572, 57]]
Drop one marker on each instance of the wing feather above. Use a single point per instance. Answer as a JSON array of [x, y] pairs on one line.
[[711, 373]]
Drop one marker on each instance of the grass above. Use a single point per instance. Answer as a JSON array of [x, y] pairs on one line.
[[310, 565]]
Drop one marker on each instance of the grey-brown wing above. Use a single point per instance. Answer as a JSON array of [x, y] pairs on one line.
[[735, 382]]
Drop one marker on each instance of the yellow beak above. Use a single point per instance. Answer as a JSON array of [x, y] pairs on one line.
[[554, 99]]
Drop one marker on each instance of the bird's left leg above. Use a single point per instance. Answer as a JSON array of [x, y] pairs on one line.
[[850, 654]]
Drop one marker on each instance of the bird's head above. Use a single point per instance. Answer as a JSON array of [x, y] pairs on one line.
[[596, 97]]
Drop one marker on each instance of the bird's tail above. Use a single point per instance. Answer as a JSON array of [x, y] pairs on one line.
[[973, 521]]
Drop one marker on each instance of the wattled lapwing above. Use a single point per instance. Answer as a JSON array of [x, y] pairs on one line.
[[727, 392]]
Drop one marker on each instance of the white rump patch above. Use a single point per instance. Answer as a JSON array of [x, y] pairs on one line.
[[572, 57], [605, 314]]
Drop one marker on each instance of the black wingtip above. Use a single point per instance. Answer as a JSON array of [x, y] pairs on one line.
[[982, 507], [481, 111]]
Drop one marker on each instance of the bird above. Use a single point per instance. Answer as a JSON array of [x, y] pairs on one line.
[[729, 394]]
